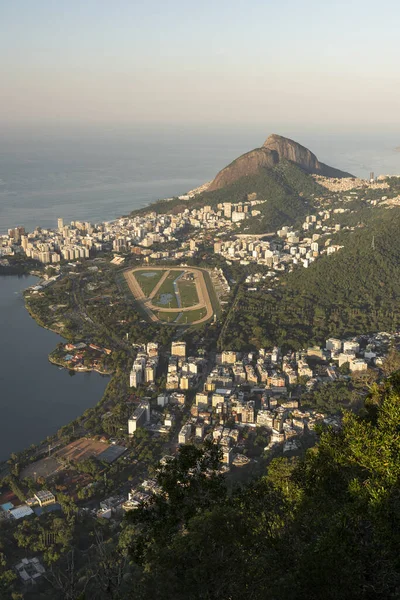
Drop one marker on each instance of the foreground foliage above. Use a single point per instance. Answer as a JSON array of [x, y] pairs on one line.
[[327, 526]]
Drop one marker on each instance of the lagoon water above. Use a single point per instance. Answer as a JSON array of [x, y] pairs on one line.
[[96, 175], [36, 397]]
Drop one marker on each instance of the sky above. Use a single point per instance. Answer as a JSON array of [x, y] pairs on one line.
[[206, 63]]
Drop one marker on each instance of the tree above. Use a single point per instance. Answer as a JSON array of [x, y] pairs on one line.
[[7, 576], [391, 363], [68, 505], [333, 515]]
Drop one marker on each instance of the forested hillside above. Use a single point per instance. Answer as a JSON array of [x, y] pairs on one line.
[[354, 291]]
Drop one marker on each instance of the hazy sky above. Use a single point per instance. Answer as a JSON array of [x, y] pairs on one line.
[[212, 61]]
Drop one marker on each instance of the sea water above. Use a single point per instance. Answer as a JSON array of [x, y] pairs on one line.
[[99, 174]]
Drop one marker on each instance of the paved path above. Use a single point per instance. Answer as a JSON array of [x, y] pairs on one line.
[[159, 284]]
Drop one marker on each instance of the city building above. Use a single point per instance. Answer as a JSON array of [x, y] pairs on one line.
[[178, 349], [140, 417]]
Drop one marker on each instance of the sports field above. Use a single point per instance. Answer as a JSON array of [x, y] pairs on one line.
[[148, 280], [188, 291], [178, 296], [74, 452], [166, 296], [191, 316]]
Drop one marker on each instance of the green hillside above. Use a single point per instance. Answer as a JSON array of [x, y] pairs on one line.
[[288, 189], [354, 291]]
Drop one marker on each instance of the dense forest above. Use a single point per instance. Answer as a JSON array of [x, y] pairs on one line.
[[356, 290]]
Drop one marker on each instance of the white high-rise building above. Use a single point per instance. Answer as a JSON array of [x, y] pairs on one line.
[[140, 417]]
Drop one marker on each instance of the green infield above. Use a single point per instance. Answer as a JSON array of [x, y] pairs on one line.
[[188, 291], [168, 317], [166, 295], [148, 279], [191, 316]]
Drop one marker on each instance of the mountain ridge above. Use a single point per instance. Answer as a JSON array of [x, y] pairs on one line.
[[275, 149]]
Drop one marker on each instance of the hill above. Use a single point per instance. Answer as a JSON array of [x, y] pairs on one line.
[[355, 291], [287, 189], [280, 172], [274, 150]]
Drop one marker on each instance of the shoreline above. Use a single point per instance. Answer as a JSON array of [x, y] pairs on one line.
[[38, 320], [54, 361], [52, 433], [59, 364]]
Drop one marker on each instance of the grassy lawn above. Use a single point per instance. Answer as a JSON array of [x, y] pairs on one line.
[[167, 317], [185, 318], [148, 282], [192, 315], [166, 294], [188, 292]]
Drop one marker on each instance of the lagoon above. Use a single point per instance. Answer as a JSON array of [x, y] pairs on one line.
[[36, 397]]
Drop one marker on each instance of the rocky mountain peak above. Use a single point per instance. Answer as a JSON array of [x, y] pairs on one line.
[[290, 150], [275, 149]]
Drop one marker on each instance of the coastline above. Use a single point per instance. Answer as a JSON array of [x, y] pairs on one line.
[[45, 398], [51, 358], [38, 321], [60, 363]]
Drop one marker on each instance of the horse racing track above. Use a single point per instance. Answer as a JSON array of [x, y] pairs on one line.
[[174, 295]]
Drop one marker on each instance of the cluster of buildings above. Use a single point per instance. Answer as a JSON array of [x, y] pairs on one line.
[[81, 356], [140, 494], [42, 501], [116, 506], [287, 248], [140, 233], [79, 240], [183, 372], [48, 246], [144, 368], [253, 390], [346, 184], [257, 389]]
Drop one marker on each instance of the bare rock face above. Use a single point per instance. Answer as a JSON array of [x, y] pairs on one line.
[[291, 150], [247, 164], [275, 149]]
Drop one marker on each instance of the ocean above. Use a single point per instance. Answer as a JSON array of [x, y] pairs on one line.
[[100, 174]]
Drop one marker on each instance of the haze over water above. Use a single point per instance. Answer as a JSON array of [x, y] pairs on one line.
[[100, 174]]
